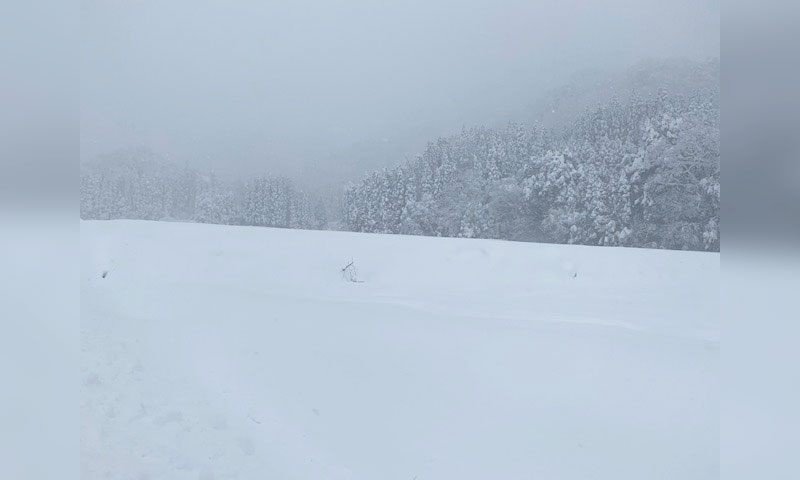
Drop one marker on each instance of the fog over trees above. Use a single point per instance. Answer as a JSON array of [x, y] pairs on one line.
[[640, 168], [137, 185], [580, 122]]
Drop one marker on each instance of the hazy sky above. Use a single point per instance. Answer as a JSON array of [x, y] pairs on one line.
[[244, 84]]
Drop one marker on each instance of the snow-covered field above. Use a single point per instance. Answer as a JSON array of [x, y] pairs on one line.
[[216, 352]]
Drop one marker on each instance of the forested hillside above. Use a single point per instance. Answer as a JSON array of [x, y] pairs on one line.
[[643, 173]]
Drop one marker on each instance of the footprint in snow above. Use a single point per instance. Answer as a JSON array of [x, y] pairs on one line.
[[206, 474], [218, 422], [169, 418], [246, 445], [91, 380]]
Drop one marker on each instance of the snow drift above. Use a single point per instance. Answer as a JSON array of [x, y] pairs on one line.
[[213, 352]]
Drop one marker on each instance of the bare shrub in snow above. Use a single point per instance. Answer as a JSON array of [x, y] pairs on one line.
[[350, 273]]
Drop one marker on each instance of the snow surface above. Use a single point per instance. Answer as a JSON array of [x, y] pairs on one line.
[[216, 352]]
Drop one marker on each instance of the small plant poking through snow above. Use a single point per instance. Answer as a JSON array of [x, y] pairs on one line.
[[350, 273]]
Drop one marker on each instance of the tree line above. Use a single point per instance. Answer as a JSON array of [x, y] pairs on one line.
[[136, 184], [643, 172]]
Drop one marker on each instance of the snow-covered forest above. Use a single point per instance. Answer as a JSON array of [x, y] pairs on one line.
[[137, 185], [644, 173], [641, 169]]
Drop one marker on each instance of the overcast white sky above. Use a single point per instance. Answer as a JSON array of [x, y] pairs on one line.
[[263, 84]]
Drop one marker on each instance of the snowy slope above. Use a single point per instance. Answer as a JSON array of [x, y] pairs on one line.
[[213, 352]]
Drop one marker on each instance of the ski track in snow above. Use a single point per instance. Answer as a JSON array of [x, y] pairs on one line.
[[212, 352]]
